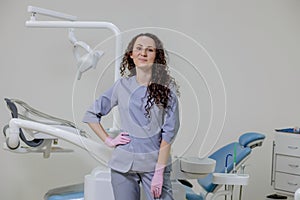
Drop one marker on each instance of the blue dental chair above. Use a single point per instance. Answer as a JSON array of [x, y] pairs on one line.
[[244, 147]]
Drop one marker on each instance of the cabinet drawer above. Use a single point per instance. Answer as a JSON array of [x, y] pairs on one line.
[[286, 182], [288, 164], [288, 144]]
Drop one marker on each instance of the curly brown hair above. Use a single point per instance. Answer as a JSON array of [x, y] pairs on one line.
[[159, 88]]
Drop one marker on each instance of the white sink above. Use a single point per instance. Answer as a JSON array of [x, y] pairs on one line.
[[191, 167], [197, 165], [230, 179]]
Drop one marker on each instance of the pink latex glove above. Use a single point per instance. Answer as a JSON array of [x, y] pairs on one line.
[[157, 180], [122, 138]]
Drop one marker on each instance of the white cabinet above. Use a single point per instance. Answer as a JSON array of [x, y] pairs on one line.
[[286, 162]]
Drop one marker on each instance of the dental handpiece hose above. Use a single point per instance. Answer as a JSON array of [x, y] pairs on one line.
[[234, 159], [226, 162]]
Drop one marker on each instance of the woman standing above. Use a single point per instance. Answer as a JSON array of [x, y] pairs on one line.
[[148, 107]]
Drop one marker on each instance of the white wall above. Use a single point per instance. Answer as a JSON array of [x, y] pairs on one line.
[[255, 45]]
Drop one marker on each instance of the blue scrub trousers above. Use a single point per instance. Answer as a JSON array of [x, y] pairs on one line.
[[126, 186]]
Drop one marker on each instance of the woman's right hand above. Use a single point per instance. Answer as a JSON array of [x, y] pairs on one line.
[[122, 138]]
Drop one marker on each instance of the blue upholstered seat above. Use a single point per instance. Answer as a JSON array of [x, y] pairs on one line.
[[247, 141]]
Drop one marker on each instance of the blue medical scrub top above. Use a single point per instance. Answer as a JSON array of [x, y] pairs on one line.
[[146, 133]]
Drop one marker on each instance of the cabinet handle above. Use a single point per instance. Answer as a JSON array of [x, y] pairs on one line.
[[292, 147], [273, 160], [293, 184], [293, 165]]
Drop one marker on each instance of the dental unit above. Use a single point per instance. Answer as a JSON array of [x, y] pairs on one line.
[[46, 130], [32, 131]]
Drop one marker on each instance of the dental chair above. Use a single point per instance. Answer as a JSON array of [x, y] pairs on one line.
[[225, 162], [31, 131]]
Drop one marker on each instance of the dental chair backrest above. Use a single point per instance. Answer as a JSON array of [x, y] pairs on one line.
[[246, 143], [22, 110], [14, 113]]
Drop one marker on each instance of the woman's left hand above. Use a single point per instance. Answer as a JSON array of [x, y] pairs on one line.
[[157, 181]]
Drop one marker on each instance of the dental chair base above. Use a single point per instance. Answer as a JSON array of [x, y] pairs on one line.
[[99, 178]]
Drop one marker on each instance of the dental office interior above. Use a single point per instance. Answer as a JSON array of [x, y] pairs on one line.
[[237, 64]]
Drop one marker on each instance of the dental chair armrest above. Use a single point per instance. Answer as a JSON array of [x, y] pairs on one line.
[[185, 182]]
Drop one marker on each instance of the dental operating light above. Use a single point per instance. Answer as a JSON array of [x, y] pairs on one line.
[[90, 59], [72, 23]]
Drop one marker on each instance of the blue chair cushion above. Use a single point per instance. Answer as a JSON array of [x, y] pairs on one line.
[[220, 157], [250, 137], [67, 196]]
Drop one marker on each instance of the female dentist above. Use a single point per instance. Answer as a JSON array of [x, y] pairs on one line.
[[148, 107]]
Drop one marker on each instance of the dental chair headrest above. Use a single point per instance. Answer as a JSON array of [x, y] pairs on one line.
[[251, 139]]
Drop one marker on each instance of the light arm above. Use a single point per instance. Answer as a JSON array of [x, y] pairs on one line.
[[36, 10]]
